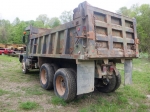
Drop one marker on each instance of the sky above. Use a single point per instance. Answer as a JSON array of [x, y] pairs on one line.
[[31, 9]]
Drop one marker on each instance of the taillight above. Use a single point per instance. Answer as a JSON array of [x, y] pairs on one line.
[[111, 69], [78, 29]]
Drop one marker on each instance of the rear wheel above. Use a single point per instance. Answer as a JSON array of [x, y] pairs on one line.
[[106, 85], [46, 76], [55, 67], [118, 82], [65, 84]]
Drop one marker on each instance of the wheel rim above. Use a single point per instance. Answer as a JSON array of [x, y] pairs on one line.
[[60, 85], [23, 66], [43, 76], [106, 81]]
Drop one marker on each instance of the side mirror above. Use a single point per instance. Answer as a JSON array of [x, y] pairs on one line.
[[23, 39]]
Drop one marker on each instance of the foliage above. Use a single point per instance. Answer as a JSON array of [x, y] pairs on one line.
[[142, 15], [58, 101], [4, 30], [12, 32], [53, 22], [43, 18], [66, 16]]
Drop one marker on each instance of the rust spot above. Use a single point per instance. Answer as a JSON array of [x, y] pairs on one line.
[[91, 35], [76, 56], [136, 41]]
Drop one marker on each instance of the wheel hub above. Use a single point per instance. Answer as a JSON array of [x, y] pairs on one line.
[[43, 76], [105, 81], [60, 85], [23, 66]]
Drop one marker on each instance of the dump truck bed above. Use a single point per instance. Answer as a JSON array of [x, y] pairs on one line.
[[94, 33]]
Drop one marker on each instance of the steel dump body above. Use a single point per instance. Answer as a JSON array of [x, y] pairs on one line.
[[93, 34]]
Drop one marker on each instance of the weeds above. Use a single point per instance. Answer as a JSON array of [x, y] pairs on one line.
[[58, 101], [28, 105], [3, 92]]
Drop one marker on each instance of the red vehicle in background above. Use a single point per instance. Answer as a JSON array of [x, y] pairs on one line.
[[6, 51], [11, 51], [3, 51]]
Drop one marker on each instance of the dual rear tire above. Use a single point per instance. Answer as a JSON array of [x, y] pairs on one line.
[[109, 84], [46, 76], [62, 80], [64, 83]]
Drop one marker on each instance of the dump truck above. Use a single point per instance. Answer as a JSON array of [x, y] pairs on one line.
[[80, 56]]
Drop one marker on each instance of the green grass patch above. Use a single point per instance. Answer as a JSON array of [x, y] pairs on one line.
[[143, 106], [28, 105], [11, 111], [5, 58], [3, 92], [58, 101], [122, 99], [33, 91]]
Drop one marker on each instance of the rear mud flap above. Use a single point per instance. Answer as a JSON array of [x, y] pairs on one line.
[[85, 77]]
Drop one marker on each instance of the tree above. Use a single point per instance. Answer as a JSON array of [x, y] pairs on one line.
[[18, 32], [5, 27], [142, 15], [66, 16], [16, 21], [43, 18], [54, 22], [125, 11]]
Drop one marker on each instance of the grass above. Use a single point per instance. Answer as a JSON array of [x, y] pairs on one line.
[[17, 88], [58, 101], [3, 92], [33, 91], [28, 105]]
